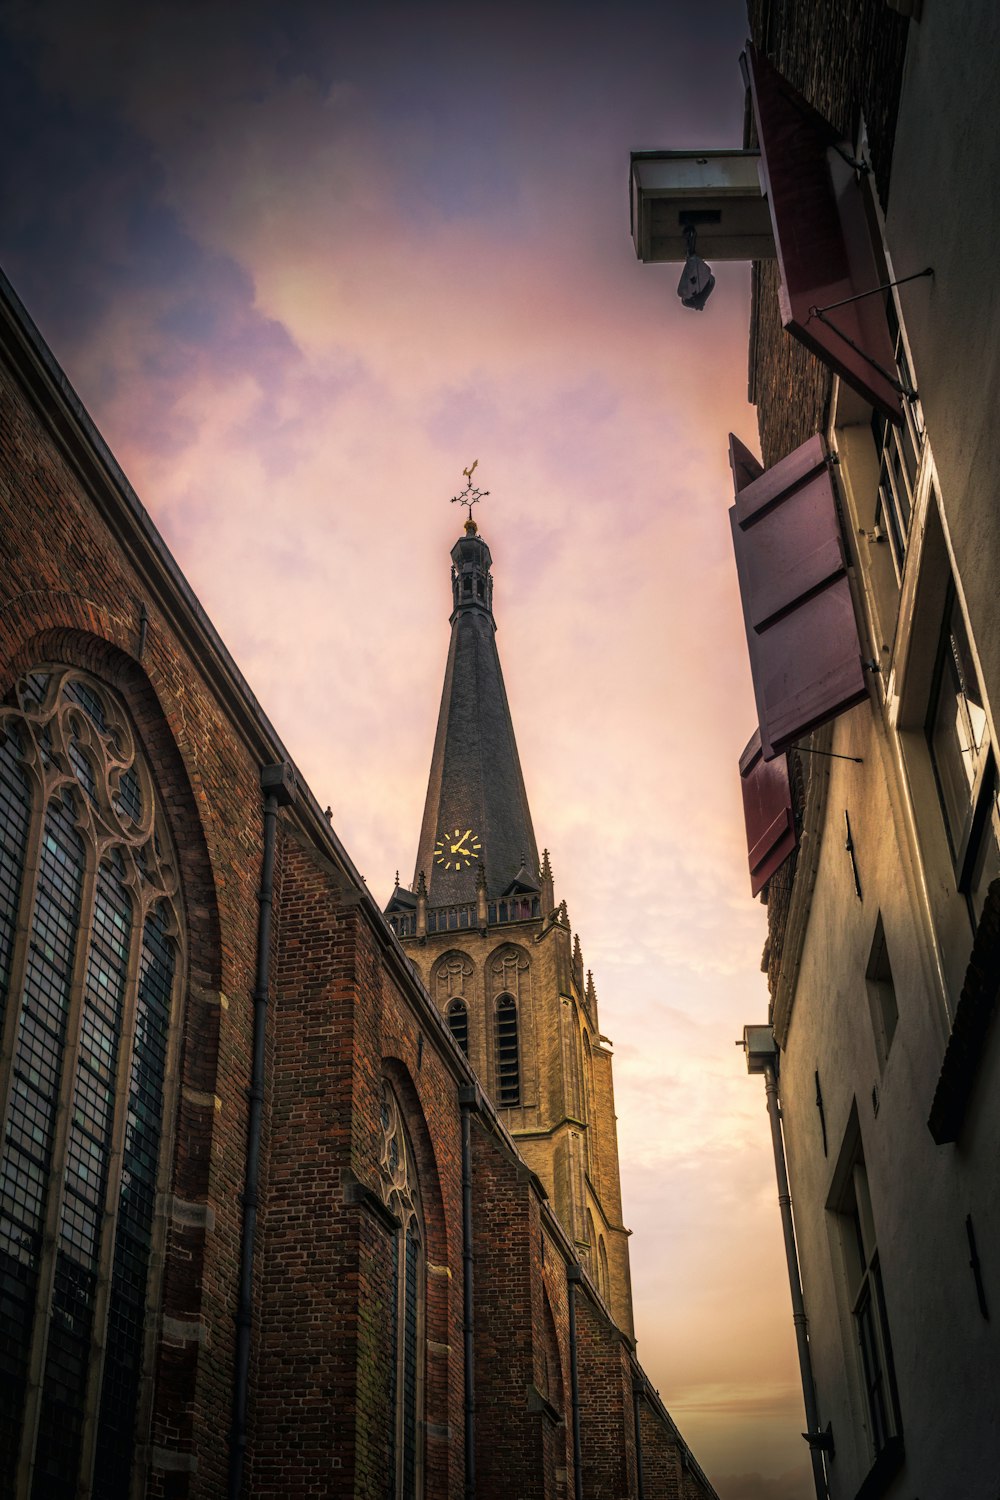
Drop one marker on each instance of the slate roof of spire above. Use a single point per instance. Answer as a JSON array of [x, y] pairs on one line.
[[475, 780]]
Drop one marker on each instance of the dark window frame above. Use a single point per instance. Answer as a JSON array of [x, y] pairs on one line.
[[968, 829]]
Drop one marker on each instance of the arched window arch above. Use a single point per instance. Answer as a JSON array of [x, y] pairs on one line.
[[508, 1053], [551, 1373], [91, 956], [401, 1193], [458, 1023]]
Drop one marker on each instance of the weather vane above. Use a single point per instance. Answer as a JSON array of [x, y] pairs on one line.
[[469, 496]]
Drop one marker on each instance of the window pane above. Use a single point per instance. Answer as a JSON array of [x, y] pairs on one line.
[[952, 749], [37, 1065], [957, 730], [137, 1200], [15, 813], [55, 702]]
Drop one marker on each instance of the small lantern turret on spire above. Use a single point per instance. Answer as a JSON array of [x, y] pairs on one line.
[[471, 579]]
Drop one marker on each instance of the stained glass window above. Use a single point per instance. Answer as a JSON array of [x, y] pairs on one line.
[[87, 873]]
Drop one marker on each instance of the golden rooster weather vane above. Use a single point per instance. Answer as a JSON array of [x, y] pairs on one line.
[[469, 496]]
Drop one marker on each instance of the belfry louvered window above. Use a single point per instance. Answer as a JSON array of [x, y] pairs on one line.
[[508, 1057], [458, 1023], [406, 1314], [89, 962]]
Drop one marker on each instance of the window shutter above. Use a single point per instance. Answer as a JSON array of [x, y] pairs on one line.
[[767, 809], [822, 238], [805, 656]]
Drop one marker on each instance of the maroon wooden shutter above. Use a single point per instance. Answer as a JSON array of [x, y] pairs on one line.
[[822, 238], [805, 656], [767, 809]]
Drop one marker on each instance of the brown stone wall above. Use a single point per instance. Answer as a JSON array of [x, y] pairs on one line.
[[554, 1058]]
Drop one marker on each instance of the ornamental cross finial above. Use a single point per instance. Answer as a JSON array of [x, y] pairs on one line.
[[469, 496]]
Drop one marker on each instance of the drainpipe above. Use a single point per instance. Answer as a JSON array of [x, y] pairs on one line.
[[468, 1098], [278, 786], [573, 1278], [761, 1054], [638, 1392]]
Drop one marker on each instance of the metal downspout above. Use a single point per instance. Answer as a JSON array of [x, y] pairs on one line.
[[277, 784], [813, 1435], [573, 1278], [638, 1391], [468, 1098]]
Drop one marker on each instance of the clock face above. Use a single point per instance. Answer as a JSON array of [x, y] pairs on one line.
[[457, 848]]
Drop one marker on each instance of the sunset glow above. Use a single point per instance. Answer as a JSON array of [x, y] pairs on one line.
[[305, 266]]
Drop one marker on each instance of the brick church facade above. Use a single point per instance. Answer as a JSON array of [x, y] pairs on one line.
[[275, 1217]]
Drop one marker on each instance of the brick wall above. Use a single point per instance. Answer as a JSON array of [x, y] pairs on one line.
[[607, 1428]]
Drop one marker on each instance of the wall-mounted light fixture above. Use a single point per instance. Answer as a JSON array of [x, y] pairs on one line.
[[697, 281]]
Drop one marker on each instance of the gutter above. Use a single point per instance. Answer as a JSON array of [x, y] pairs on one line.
[[637, 1395], [819, 1442]]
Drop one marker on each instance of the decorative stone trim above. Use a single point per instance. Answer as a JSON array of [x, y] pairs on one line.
[[192, 1215]]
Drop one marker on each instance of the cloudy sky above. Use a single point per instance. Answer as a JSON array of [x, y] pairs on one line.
[[304, 264]]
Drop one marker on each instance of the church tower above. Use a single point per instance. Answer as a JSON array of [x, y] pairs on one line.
[[497, 952]]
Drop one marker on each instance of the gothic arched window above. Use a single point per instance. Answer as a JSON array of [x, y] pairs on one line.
[[406, 1317], [90, 959], [508, 1058], [458, 1023]]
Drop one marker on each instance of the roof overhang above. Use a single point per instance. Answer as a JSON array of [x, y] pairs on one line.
[[719, 192]]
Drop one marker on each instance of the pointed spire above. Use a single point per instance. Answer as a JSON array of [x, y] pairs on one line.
[[591, 994], [578, 962], [476, 807], [548, 884]]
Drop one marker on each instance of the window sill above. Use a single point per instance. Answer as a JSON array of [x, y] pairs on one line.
[[973, 1015], [883, 1470]]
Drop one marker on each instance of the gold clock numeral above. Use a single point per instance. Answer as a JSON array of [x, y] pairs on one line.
[[462, 847]]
